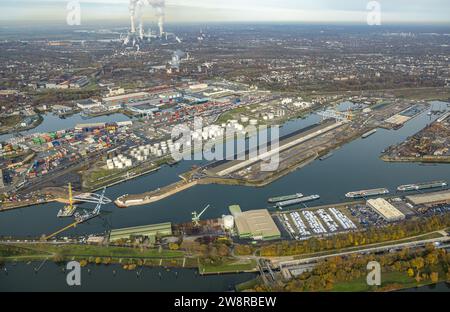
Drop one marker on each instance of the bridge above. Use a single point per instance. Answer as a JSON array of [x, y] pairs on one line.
[[92, 198]]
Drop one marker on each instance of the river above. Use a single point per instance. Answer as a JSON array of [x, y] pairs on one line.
[[51, 277], [354, 166]]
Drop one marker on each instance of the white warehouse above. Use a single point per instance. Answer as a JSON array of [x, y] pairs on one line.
[[385, 209]]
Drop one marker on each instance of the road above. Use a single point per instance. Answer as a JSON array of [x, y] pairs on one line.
[[279, 262]]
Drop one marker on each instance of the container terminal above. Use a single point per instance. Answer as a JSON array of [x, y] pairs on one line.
[[284, 198], [366, 193], [421, 186]]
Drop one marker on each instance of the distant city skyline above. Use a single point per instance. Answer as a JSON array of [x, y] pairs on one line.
[[306, 11]]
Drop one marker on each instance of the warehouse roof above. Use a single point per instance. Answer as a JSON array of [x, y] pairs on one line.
[[126, 96], [142, 230], [430, 198], [257, 223], [385, 209], [235, 210]]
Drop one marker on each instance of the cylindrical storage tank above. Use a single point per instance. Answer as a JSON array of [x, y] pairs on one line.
[[228, 222], [244, 119], [253, 122]]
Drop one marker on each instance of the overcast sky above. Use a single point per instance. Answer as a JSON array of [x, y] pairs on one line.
[[352, 11]]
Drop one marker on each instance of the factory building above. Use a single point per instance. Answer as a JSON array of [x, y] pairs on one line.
[[121, 100], [385, 209], [257, 225], [88, 104], [147, 231], [430, 199], [146, 107]]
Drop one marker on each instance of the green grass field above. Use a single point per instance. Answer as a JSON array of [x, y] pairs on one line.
[[228, 266], [399, 279], [68, 251]]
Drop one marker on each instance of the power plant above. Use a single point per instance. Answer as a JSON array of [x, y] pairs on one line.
[[137, 32]]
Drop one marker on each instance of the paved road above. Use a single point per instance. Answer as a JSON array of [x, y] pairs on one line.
[[415, 244]]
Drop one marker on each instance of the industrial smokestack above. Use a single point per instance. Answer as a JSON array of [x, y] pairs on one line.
[[132, 9], [159, 6], [136, 14], [161, 26]]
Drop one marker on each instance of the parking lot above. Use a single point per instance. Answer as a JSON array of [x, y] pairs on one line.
[[306, 223]]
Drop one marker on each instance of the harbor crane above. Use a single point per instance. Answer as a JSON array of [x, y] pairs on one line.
[[196, 217], [95, 213], [69, 210]]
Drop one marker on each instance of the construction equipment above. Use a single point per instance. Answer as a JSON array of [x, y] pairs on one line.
[[86, 215], [61, 230], [196, 217], [69, 209]]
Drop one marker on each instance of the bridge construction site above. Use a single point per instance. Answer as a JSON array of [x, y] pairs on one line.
[[83, 216]]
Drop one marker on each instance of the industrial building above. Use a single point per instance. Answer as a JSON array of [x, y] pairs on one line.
[[257, 225], [430, 199], [385, 209], [235, 210], [120, 100], [145, 107], [147, 231], [88, 104]]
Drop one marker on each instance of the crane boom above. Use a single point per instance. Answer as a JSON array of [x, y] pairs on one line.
[[70, 195], [203, 211], [100, 202]]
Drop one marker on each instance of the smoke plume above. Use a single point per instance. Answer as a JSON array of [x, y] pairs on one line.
[[136, 13]]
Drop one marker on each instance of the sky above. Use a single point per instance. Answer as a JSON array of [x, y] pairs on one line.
[[303, 11]]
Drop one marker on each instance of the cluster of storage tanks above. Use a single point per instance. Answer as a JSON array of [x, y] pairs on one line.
[[119, 162], [142, 153], [210, 132], [216, 131]]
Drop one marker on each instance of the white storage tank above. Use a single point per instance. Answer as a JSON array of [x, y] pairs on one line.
[[228, 222]]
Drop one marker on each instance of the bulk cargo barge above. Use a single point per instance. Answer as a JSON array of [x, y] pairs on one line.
[[421, 186], [368, 134], [284, 198], [287, 203], [325, 157], [367, 193]]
